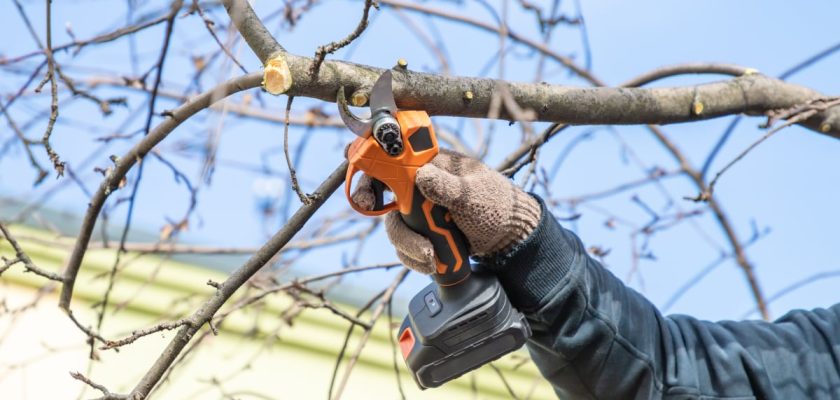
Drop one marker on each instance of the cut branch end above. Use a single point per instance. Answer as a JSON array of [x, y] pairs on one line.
[[277, 78]]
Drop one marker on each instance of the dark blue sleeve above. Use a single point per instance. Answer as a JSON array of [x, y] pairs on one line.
[[596, 338]]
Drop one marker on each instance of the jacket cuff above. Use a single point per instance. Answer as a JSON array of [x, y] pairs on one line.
[[533, 268]]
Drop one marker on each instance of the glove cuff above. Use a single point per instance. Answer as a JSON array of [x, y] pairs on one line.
[[537, 265], [524, 219]]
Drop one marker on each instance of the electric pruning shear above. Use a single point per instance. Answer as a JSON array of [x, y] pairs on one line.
[[462, 320]]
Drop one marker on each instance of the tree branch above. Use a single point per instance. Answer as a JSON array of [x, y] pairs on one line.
[[235, 280], [751, 93], [443, 95], [332, 47], [259, 39], [130, 158], [21, 256]]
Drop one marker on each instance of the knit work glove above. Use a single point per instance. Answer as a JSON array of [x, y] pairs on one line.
[[492, 212]]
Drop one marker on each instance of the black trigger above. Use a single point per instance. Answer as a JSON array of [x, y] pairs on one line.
[[378, 194]]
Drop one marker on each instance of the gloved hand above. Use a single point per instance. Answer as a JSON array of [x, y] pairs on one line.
[[492, 212]]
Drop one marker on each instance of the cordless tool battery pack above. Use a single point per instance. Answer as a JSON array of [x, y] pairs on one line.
[[450, 331]]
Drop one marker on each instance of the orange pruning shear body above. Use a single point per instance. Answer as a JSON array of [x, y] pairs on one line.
[[391, 147], [463, 320]]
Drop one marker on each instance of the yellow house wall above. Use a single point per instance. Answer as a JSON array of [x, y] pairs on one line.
[[39, 347]]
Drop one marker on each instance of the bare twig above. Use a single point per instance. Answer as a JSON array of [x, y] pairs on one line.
[[304, 198], [132, 200], [58, 165], [104, 38], [798, 285], [176, 248], [26, 143], [783, 76], [393, 342], [735, 243], [792, 116], [165, 326], [124, 164], [107, 395], [21, 256], [324, 303], [332, 47], [683, 69], [234, 282], [566, 61], [504, 381], [279, 288], [209, 24], [366, 335]]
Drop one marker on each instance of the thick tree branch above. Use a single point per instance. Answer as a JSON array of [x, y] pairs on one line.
[[752, 93], [443, 95], [259, 39]]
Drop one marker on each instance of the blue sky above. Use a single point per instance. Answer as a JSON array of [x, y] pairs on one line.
[[789, 185]]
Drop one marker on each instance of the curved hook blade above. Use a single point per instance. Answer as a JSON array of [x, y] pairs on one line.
[[360, 127], [382, 95]]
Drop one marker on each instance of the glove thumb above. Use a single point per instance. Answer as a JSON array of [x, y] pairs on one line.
[[439, 186]]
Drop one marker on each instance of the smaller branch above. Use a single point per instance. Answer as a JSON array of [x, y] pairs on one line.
[[798, 285], [21, 256], [165, 326], [42, 173], [124, 163], [304, 198], [654, 175], [209, 24], [51, 68], [287, 286], [443, 60], [104, 105], [792, 116], [547, 22], [509, 166], [104, 38], [324, 304], [683, 69], [364, 308], [332, 47], [504, 381], [566, 61], [106, 394], [386, 298], [737, 247], [87, 331], [393, 342]]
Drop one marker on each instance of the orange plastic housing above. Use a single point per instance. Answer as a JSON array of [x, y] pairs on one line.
[[398, 172], [406, 341]]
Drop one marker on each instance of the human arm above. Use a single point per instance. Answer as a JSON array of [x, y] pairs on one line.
[[596, 338]]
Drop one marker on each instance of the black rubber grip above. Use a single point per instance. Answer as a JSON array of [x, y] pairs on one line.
[[451, 253]]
